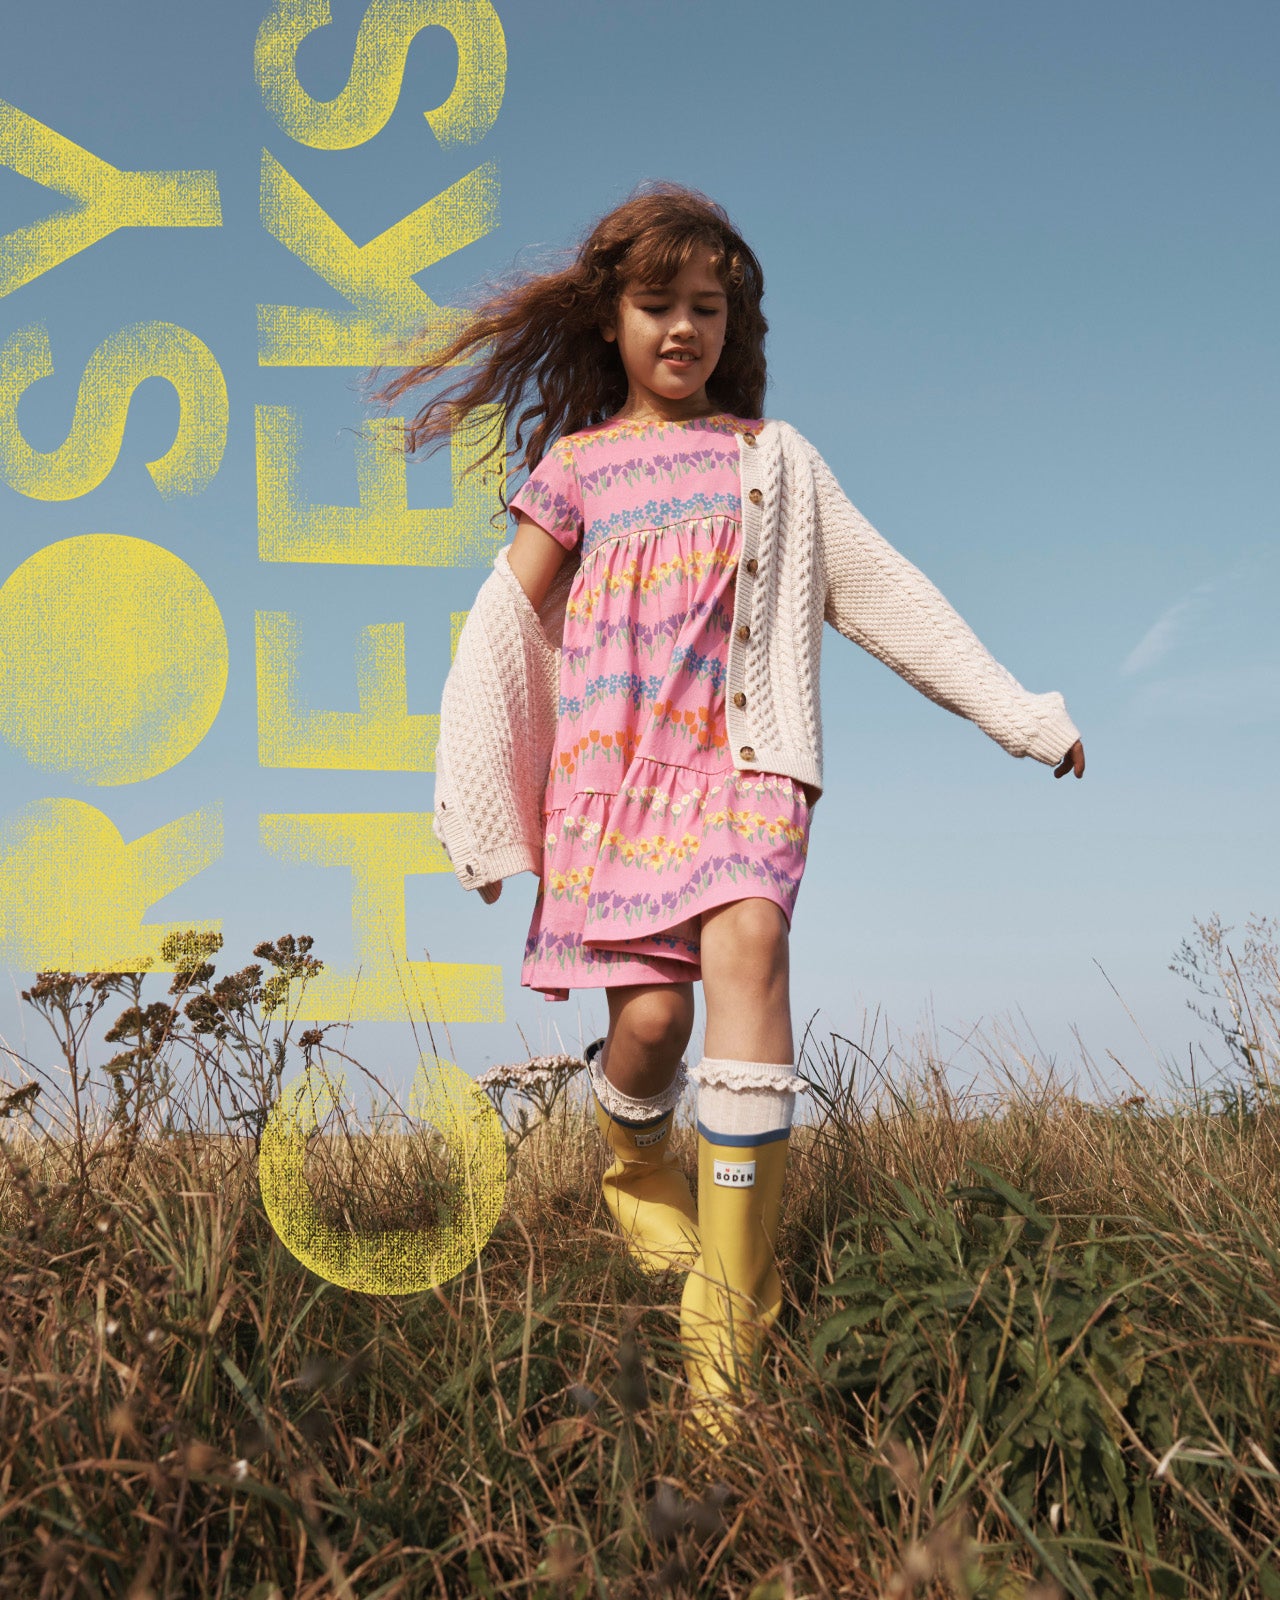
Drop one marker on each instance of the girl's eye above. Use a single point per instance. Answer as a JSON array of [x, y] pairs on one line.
[[701, 311]]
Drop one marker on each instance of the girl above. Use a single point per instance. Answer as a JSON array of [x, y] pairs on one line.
[[633, 711]]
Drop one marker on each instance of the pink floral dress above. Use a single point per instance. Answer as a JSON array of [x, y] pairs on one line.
[[647, 823]]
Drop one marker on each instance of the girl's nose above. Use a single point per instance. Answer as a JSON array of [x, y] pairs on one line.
[[683, 323]]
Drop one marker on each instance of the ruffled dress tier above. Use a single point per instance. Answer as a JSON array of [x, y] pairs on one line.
[[648, 824]]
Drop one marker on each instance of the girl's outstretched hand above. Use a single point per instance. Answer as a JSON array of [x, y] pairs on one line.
[[1073, 761], [489, 892]]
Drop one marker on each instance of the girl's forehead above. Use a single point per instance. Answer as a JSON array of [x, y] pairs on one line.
[[662, 254], [702, 268], [711, 291]]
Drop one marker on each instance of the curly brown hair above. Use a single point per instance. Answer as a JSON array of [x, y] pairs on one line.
[[541, 354]]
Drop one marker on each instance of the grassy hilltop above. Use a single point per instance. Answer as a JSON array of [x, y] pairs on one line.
[[1031, 1345]]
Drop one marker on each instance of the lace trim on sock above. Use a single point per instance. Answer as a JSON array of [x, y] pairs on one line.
[[727, 1074], [618, 1104]]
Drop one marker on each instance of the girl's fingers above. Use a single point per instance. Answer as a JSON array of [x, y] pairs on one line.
[[1073, 761]]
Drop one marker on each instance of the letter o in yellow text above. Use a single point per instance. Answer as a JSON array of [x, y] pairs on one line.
[[394, 1261], [113, 659]]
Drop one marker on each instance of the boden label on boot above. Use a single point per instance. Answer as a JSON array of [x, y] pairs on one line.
[[734, 1174], [652, 1137]]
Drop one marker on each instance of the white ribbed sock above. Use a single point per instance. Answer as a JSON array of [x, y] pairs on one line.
[[744, 1101]]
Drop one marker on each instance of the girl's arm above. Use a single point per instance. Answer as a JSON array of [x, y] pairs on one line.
[[877, 598], [535, 558]]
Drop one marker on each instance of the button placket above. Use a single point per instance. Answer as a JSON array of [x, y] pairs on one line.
[[753, 499]]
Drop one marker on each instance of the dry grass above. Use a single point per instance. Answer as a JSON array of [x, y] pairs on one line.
[[185, 1410]]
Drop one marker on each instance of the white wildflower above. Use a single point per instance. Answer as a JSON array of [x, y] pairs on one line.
[[531, 1074]]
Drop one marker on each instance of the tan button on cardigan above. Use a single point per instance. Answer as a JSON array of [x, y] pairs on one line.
[[808, 557]]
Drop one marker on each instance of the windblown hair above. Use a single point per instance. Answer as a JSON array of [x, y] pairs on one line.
[[541, 355]]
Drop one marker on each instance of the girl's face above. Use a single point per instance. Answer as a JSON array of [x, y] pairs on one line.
[[670, 339]]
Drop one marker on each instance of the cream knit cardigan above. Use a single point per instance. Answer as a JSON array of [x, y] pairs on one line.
[[808, 557]]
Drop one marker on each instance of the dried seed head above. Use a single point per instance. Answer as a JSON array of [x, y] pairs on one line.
[[121, 1422], [200, 1457]]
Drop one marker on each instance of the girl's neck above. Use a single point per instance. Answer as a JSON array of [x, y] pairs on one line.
[[642, 409], [647, 416]]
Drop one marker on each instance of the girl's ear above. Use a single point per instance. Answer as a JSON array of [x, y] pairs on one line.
[[609, 331]]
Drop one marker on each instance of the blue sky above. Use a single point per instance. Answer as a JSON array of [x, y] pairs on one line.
[[1020, 268]]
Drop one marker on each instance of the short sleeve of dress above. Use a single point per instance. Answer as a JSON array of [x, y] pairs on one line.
[[552, 496]]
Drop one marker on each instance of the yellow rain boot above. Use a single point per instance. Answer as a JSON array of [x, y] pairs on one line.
[[733, 1292], [645, 1189]]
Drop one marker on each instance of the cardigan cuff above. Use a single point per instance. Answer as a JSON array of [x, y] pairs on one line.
[[1054, 733], [494, 865]]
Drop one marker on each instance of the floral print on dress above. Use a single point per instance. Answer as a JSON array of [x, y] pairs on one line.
[[648, 823]]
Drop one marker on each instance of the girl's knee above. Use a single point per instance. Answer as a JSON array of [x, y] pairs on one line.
[[658, 1017], [746, 937]]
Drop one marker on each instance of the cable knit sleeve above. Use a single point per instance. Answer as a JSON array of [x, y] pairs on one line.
[[876, 598], [497, 726], [552, 496]]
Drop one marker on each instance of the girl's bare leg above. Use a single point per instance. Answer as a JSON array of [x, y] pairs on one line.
[[746, 982], [649, 1029]]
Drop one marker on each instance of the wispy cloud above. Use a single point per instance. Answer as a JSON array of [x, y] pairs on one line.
[[1164, 632], [1213, 655], [1159, 638]]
